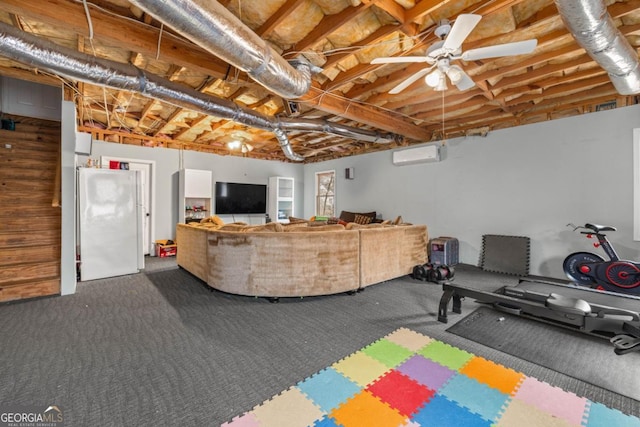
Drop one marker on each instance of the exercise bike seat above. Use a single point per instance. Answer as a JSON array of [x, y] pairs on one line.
[[599, 228], [568, 305]]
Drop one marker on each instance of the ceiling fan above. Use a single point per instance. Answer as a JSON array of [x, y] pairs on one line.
[[440, 55]]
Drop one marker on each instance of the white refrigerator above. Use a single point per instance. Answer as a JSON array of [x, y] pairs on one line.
[[111, 223]]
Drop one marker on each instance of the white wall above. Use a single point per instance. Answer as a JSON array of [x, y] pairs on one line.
[[525, 181], [224, 168]]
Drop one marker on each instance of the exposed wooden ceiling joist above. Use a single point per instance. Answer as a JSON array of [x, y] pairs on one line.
[[556, 80]]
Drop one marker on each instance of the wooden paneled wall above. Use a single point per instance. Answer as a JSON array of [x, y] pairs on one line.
[[29, 219]]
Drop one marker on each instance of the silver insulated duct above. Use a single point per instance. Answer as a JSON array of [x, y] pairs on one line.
[[594, 30], [211, 26], [40, 53]]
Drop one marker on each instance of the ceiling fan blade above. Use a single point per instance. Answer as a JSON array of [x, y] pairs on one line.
[[465, 82], [399, 59], [410, 80], [462, 27], [507, 49]]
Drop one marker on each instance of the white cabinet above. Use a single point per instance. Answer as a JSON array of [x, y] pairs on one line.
[[194, 195], [280, 198], [29, 99]]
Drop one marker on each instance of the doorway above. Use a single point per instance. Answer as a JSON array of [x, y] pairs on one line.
[[147, 175]]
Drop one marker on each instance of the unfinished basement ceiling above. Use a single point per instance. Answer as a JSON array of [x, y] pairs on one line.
[[340, 38]]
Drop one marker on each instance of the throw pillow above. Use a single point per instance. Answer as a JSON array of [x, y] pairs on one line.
[[362, 219], [347, 216], [293, 220]]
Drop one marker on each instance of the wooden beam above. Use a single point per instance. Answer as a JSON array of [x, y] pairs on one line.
[[30, 75], [424, 7], [396, 11], [357, 71], [277, 18], [328, 25], [369, 116], [198, 120], [371, 39], [493, 7], [114, 30]]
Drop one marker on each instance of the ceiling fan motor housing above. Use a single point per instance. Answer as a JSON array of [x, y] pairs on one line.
[[443, 28]]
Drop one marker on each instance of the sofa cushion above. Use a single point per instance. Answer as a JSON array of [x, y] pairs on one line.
[[336, 220], [215, 219], [269, 227], [356, 226], [294, 220], [290, 226], [327, 227]]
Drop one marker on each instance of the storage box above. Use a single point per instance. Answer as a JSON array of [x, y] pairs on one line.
[[166, 248], [443, 251]]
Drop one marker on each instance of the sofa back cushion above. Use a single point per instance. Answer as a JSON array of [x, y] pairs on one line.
[[347, 216]]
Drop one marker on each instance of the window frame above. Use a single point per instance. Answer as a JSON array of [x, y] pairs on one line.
[[317, 191]]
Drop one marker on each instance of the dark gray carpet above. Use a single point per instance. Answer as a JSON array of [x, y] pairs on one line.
[[159, 348], [581, 356]]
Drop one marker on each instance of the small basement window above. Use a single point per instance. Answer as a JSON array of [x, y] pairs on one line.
[[326, 193]]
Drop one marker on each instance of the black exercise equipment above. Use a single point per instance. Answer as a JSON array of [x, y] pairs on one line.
[[433, 273], [591, 270], [603, 314]]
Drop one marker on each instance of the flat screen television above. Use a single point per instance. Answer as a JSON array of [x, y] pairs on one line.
[[233, 198]]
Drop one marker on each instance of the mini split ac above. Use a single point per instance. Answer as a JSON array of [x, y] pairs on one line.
[[424, 154]]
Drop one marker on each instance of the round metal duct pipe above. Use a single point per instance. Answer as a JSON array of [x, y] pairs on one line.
[[212, 27], [593, 28], [41, 53]]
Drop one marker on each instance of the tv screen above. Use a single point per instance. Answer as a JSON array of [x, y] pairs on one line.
[[233, 198]]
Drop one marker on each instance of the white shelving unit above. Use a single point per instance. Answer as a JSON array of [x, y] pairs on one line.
[[194, 195], [281, 197]]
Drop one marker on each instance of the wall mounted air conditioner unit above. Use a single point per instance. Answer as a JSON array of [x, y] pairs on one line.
[[425, 154]]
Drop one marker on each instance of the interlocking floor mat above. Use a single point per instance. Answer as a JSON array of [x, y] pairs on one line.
[[505, 254], [408, 379]]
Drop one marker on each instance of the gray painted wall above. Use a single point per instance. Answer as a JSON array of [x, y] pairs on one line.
[[525, 181], [227, 168]]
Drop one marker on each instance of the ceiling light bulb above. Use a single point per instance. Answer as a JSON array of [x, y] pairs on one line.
[[442, 84], [455, 74], [433, 78], [234, 145]]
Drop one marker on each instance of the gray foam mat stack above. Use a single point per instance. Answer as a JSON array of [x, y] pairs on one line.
[[505, 254]]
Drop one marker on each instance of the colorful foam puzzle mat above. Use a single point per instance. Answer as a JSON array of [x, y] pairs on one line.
[[408, 379]]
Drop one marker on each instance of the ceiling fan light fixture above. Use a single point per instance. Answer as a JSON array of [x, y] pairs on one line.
[[234, 145], [433, 78], [442, 84], [247, 148], [455, 74]]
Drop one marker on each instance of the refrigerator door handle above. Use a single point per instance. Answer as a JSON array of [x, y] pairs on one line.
[[140, 216]]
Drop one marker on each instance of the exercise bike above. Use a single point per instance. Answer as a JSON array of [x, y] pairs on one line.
[[591, 270]]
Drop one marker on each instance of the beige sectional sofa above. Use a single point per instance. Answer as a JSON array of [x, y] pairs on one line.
[[298, 260]]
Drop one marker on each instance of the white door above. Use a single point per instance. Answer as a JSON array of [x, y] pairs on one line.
[[146, 177], [110, 223]]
